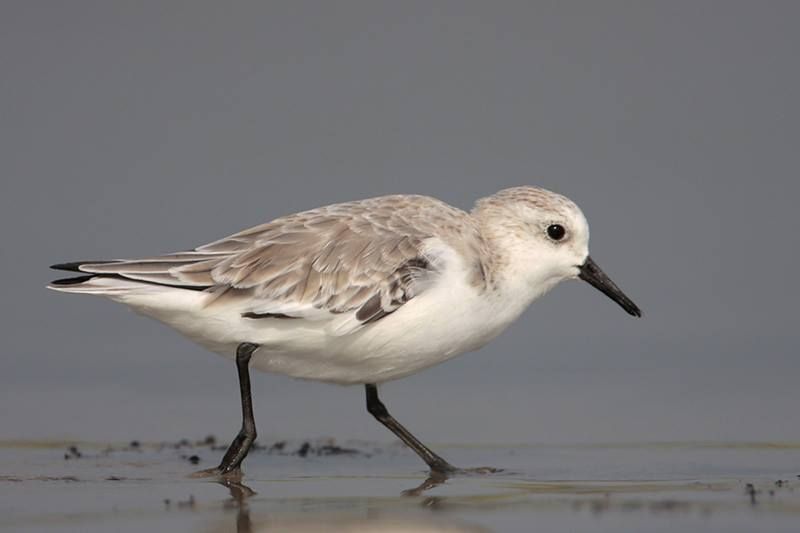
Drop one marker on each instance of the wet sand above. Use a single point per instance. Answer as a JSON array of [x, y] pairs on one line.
[[358, 486]]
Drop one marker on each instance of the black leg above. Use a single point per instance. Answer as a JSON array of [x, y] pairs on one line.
[[238, 449], [378, 410]]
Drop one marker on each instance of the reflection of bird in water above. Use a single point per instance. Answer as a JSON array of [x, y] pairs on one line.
[[359, 293], [241, 493]]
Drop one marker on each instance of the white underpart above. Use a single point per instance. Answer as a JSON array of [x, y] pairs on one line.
[[451, 317]]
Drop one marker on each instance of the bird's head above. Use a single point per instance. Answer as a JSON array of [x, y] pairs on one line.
[[542, 238]]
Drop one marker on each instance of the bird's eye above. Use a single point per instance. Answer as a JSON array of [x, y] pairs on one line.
[[556, 232]]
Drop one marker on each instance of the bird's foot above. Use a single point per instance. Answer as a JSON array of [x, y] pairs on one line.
[[478, 471], [439, 477], [219, 473], [434, 479]]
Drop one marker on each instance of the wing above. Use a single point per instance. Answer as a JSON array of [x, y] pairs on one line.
[[365, 258]]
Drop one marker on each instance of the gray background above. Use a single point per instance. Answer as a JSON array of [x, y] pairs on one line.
[[134, 128]]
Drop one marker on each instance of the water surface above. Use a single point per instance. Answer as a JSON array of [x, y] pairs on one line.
[[50, 486]]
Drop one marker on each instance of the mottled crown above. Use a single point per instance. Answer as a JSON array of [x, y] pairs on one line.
[[527, 196]]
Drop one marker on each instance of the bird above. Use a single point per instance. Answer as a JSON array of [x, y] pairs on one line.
[[358, 293]]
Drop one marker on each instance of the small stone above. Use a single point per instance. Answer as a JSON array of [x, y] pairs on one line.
[[750, 490], [278, 446], [304, 449]]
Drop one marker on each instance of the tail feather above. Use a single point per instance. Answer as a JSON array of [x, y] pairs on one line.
[[111, 279], [71, 281], [102, 285]]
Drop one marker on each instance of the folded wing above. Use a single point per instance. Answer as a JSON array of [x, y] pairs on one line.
[[365, 259]]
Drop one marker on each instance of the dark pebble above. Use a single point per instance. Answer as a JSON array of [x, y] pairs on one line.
[[73, 451], [194, 459], [303, 450], [278, 446], [750, 490], [332, 449]]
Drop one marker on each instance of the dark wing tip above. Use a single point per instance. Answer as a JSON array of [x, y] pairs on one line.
[[71, 281], [75, 266]]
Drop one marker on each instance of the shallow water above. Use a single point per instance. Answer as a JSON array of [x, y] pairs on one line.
[[608, 487]]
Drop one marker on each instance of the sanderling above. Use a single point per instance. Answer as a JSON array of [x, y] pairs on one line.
[[361, 292]]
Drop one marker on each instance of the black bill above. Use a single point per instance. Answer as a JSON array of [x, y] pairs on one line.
[[591, 273]]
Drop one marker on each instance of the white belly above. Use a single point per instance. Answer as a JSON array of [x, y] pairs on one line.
[[446, 320], [426, 331]]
